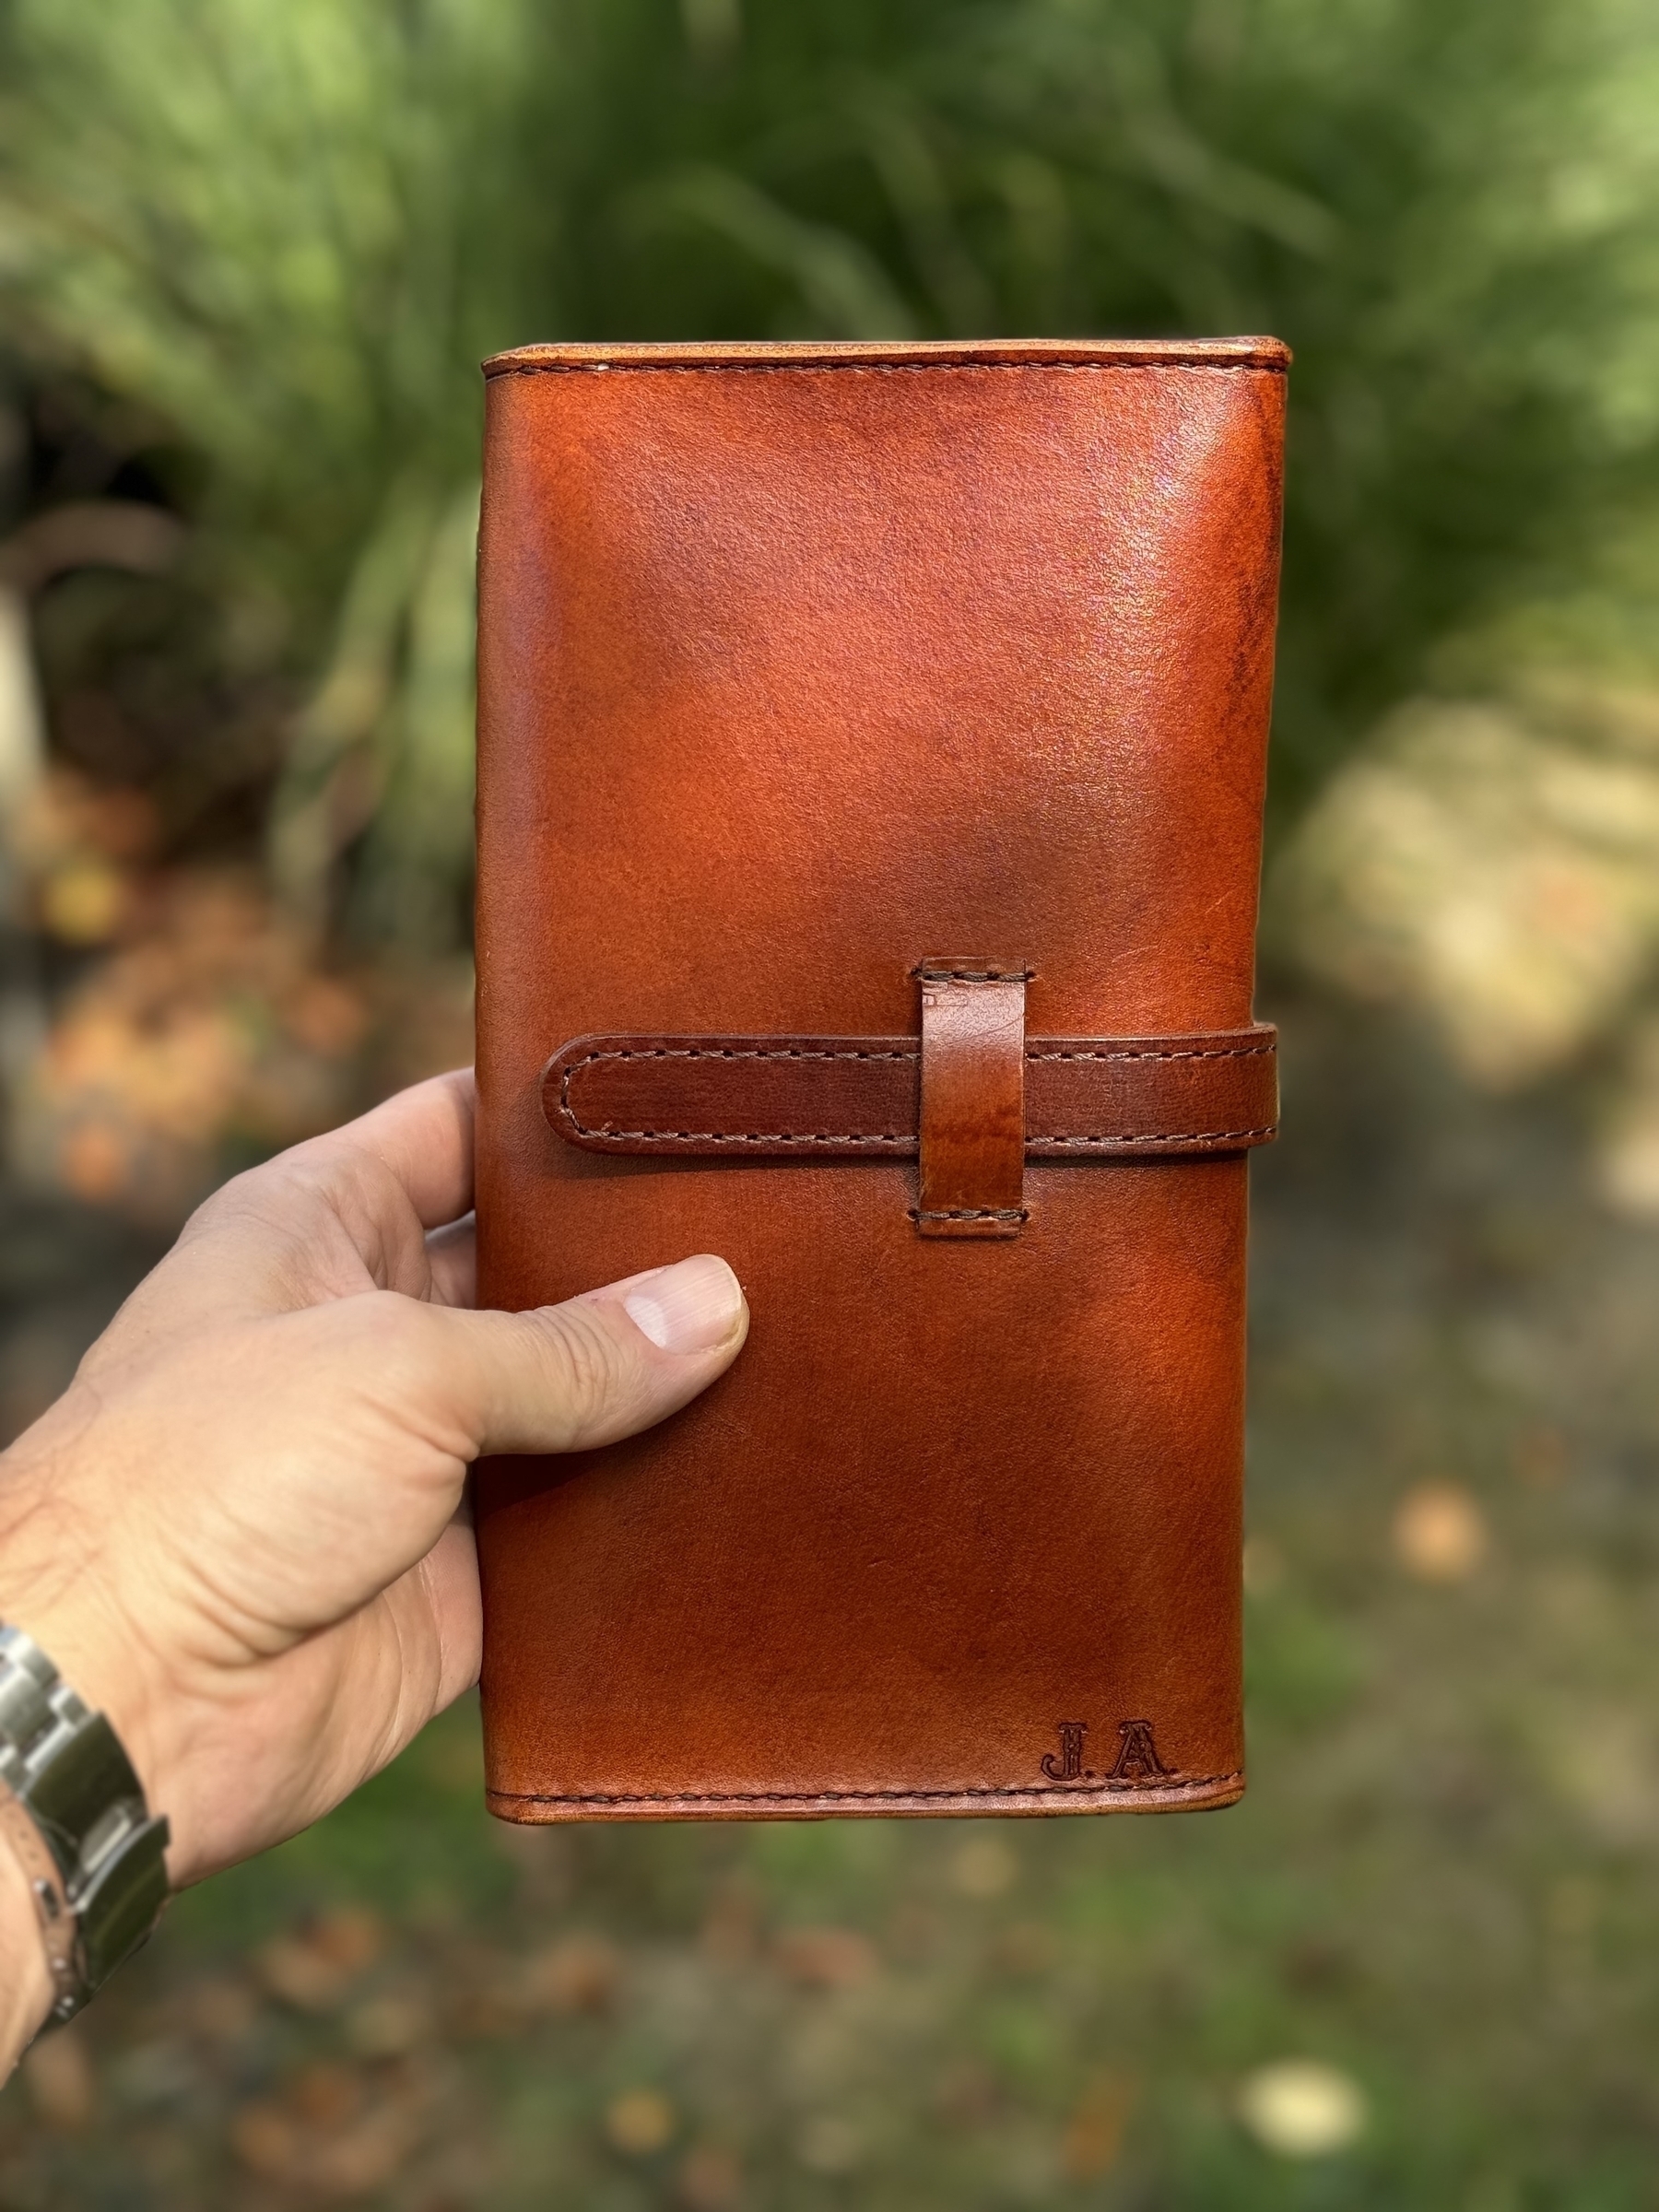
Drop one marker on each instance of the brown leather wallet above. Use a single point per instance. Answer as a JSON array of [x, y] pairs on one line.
[[871, 746]]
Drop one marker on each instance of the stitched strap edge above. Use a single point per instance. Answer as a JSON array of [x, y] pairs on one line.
[[1260, 1042]]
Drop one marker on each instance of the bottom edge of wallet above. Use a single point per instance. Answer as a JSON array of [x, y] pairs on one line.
[[1205, 1795]]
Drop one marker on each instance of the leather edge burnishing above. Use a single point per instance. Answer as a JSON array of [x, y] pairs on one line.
[[1268, 355], [1208, 1793]]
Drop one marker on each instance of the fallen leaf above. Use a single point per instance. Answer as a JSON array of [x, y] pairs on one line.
[[826, 1958], [638, 2122], [1439, 1533], [385, 2027], [267, 2140], [1094, 2134], [322, 2095], [61, 2084], [366, 2155], [313, 1969], [579, 1973], [710, 2179]]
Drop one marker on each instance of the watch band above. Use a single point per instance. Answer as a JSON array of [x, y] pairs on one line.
[[74, 1812]]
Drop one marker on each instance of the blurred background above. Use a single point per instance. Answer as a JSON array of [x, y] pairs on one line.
[[250, 255]]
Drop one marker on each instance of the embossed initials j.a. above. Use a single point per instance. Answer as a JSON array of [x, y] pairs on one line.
[[1138, 1759], [1070, 1766]]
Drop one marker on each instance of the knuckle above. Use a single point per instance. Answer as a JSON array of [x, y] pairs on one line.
[[587, 1368]]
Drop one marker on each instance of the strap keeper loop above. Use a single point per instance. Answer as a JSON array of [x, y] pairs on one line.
[[972, 1118]]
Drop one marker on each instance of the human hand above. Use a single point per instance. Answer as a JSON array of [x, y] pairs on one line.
[[238, 1533]]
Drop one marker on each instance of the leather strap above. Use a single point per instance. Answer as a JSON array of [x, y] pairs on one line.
[[971, 1134], [841, 1098]]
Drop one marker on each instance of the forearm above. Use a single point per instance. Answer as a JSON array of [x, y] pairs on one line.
[[25, 1982]]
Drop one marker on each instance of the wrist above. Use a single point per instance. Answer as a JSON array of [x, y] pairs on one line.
[[25, 1991], [77, 1823], [54, 1589]]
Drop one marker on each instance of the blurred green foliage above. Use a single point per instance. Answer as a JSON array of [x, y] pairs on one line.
[[290, 231]]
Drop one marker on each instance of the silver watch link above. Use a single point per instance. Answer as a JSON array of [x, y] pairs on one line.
[[74, 1813]]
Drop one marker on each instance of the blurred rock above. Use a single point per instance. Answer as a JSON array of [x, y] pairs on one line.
[[1300, 2108], [1493, 863]]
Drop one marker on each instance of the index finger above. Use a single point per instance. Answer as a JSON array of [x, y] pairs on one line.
[[424, 1135]]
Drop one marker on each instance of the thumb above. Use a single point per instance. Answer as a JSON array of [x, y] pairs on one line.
[[599, 1367]]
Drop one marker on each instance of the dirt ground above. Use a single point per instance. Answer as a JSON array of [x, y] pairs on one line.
[[1441, 1891]]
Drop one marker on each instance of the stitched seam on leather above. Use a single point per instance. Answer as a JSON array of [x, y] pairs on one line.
[[826, 1137], [1156, 1137], [969, 1213], [888, 368], [735, 1136], [1120, 1789], [722, 1136], [1231, 1051], [779, 1136], [974, 975]]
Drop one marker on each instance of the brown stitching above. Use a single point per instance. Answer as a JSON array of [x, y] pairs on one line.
[[734, 1051], [857, 1136], [974, 975], [1162, 1137], [720, 1137], [734, 1136], [1230, 1051], [970, 1213], [1196, 1782]]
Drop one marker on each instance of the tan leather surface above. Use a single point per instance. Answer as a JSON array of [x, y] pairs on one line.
[[842, 1098], [794, 670]]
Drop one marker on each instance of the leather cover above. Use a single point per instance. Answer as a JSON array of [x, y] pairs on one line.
[[871, 756]]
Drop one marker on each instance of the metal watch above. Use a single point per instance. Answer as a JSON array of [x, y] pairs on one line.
[[73, 1811]]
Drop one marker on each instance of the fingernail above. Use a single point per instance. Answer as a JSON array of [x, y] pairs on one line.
[[690, 1307]]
